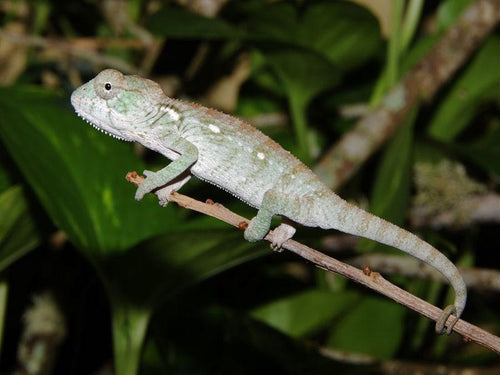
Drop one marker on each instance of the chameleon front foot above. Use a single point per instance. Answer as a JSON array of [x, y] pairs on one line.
[[441, 322], [146, 186]]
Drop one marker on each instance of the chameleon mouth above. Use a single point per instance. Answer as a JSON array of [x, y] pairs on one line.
[[95, 126]]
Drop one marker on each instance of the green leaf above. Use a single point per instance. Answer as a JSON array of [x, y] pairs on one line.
[[479, 82], [485, 151], [449, 11], [229, 343], [393, 182], [345, 33], [77, 173], [342, 32], [169, 263], [180, 23], [304, 76], [5, 181], [18, 234], [306, 312], [374, 327], [161, 268]]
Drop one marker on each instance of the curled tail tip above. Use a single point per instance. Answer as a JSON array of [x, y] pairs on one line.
[[441, 326]]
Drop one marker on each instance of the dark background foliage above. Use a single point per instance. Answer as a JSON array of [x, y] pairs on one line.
[[164, 290]]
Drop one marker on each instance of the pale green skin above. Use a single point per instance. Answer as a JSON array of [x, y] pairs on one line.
[[238, 158]]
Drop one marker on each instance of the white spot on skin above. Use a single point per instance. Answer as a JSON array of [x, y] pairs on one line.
[[214, 128], [261, 156], [175, 116]]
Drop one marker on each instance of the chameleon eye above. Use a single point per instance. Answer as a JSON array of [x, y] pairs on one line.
[[109, 83]]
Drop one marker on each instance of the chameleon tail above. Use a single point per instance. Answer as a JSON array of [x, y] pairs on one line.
[[348, 218]]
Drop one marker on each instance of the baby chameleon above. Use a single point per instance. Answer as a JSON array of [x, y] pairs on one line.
[[238, 158]]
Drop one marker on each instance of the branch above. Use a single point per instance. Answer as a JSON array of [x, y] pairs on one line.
[[475, 278], [475, 209], [457, 44], [372, 280]]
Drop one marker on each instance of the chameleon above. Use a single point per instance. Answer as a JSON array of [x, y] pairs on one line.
[[236, 157]]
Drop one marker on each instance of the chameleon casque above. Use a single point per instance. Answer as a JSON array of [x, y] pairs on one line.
[[238, 158]]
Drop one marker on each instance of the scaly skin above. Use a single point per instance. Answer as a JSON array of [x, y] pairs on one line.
[[238, 158]]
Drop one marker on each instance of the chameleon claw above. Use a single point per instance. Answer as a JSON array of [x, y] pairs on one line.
[[441, 322]]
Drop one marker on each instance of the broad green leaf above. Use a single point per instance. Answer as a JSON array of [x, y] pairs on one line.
[[306, 312], [18, 234], [374, 327], [342, 32], [345, 33], [229, 343], [158, 269], [304, 76], [485, 151], [180, 23], [392, 185], [5, 181], [77, 173], [449, 11], [479, 82], [169, 263]]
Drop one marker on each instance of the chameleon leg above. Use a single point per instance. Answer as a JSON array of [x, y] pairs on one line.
[[260, 224]]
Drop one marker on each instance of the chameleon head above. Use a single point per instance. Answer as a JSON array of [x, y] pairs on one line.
[[121, 106]]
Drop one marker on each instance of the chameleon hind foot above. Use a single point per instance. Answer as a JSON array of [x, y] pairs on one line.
[[441, 322], [280, 235]]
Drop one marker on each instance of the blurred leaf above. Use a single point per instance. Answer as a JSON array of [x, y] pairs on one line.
[[485, 151], [393, 181], [5, 181], [77, 173], [229, 343], [304, 76], [180, 23], [448, 11], [306, 312], [347, 34], [165, 265], [158, 269], [18, 234], [374, 327], [479, 82], [342, 32]]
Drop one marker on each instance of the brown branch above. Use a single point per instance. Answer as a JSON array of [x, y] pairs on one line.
[[475, 278], [85, 48], [457, 44], [372, 280]]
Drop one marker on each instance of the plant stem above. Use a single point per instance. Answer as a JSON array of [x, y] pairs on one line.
[[297, 111], [129, 330], [4, 291], [410, 23], [394, 49]]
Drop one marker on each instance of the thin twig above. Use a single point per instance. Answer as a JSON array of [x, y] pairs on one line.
[[372, 280]]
